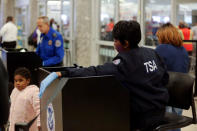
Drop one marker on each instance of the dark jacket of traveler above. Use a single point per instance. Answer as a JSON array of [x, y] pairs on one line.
[[4, 104], [142, 71]]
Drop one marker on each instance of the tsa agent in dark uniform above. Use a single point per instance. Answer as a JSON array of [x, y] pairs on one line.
[[139, 69], [50, 48]]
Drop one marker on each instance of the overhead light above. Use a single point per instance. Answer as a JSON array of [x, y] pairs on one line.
[[152, 1]]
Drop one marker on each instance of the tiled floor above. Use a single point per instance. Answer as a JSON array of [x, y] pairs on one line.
[[189, 113]]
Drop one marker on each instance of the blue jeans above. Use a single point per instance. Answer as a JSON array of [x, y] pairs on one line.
[[176, 111]]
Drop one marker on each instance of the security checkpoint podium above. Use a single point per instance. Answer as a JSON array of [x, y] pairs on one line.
[[14, 58], [97, 103]]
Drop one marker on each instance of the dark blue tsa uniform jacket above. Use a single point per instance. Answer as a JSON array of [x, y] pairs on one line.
[[142, 71], [50, 48]]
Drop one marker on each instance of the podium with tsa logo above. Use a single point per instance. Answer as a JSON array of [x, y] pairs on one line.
[[97, 103]]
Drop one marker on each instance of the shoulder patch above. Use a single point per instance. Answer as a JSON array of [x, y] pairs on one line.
[[57, 43], [117, 61], [54, 35]]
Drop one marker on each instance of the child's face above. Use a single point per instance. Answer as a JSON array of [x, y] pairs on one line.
[[20, 82]]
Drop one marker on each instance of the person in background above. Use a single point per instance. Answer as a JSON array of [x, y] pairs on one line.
[[138, 69], [9, 33], [50, 48], [173, 53], [194, 29], [186, 34], [53, 24], [34, 38], [25, 103], [109, 28], [4, 103], [110, 25]]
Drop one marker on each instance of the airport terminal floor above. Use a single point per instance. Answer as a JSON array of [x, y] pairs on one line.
[[189, 113]]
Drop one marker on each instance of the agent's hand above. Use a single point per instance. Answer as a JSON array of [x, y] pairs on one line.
[[46, 82]]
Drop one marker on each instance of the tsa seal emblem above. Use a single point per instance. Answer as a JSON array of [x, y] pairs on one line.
[[57, 43], [50, 118]]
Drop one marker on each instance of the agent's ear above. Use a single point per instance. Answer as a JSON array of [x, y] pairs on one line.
[[126, 45]]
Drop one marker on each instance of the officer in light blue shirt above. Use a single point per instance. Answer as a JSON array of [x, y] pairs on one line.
[[50, 47]]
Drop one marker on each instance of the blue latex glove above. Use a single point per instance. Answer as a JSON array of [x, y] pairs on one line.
[[46, 82]]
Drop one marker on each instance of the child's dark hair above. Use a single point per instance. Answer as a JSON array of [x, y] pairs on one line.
[[24, 72], [129, 31]]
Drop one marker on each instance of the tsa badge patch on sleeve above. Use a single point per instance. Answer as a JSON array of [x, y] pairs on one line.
[[116, 62], [57, 43]]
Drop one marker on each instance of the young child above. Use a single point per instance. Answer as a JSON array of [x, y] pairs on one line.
[[25, 103], [139, 69]]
